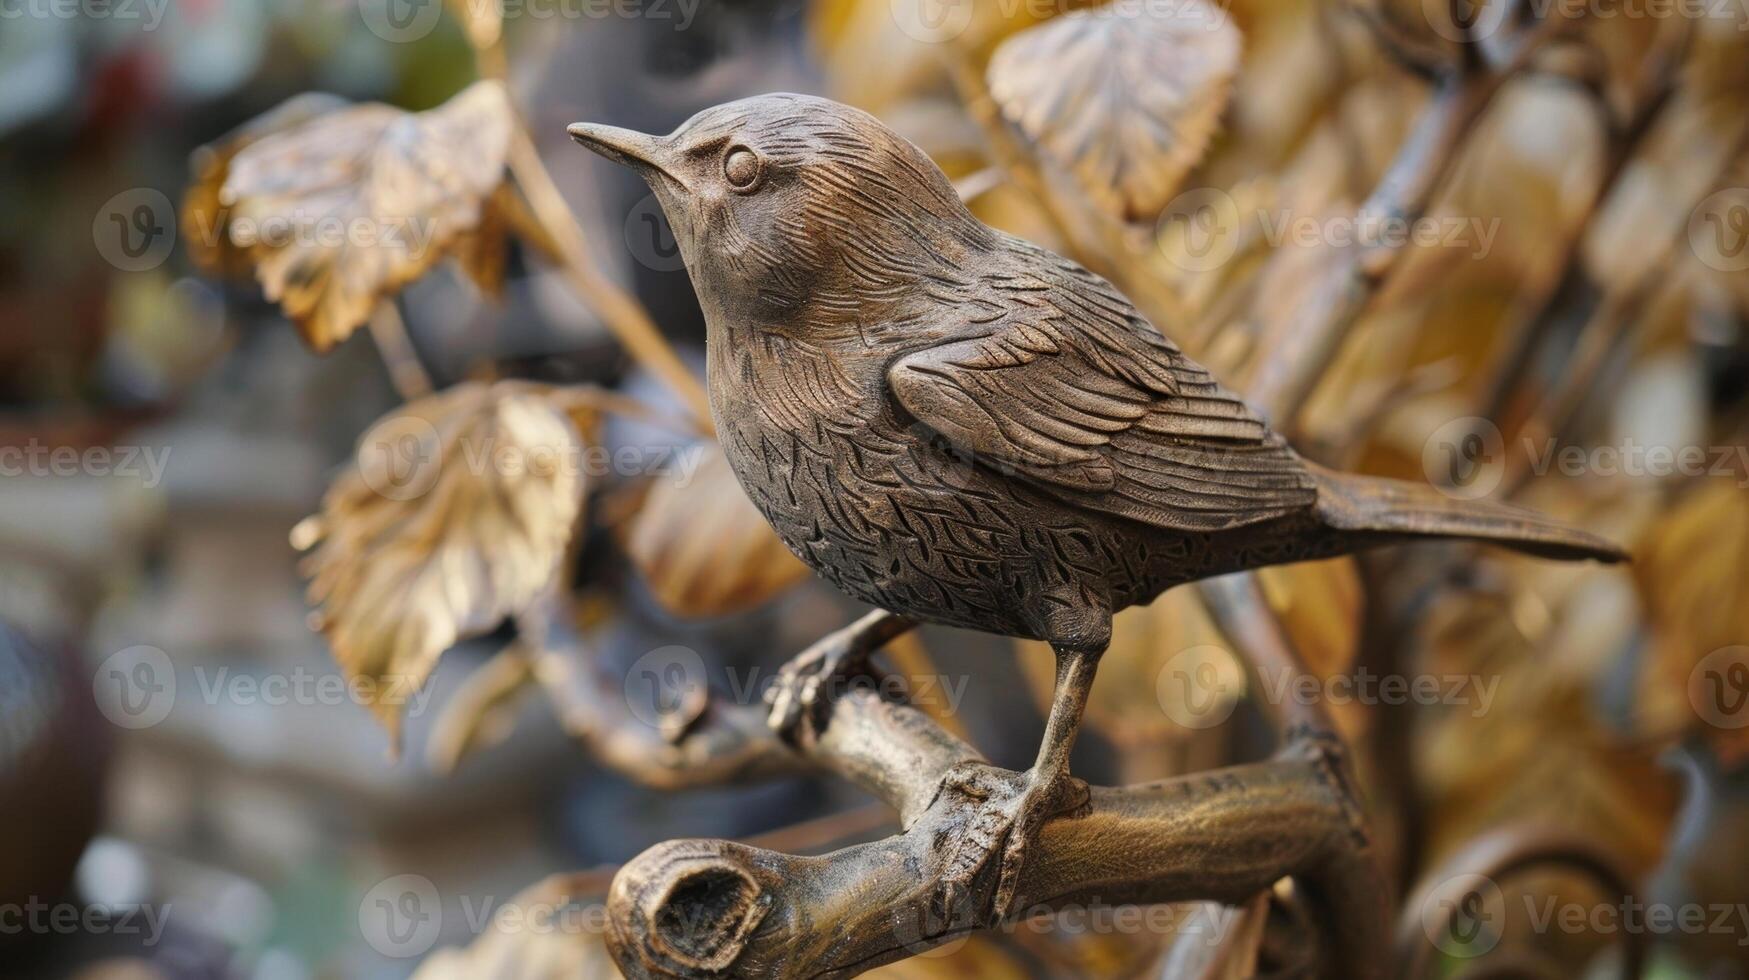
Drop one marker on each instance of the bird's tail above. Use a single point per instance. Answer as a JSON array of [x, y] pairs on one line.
[[1394, 508]]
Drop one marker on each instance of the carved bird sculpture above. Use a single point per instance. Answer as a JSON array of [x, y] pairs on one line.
[[960, 427]]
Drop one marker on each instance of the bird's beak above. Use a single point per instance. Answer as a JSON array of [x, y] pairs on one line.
[[640, 151]]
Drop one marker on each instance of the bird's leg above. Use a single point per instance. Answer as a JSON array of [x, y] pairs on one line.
[[836, 657], [1013, 806]]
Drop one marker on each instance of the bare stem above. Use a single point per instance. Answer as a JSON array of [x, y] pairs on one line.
[[1242, 612], [1304, 350], [619, 311], [406, 373], [690, 908]]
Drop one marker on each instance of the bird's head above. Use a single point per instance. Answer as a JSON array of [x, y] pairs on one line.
[[779, 198]]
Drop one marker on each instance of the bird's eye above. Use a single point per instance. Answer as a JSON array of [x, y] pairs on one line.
[[741, 168]]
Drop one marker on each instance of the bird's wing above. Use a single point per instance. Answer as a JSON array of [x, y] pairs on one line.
[[1072, 391]]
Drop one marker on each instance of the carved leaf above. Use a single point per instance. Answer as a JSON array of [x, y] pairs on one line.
[[205, 221], [1125, 96], [703, 547], [458, 513], [340, 211]]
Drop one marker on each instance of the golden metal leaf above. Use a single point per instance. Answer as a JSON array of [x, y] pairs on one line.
[[1125, 97], [344, 210], [204, 219], [458, 513], [703, 547]]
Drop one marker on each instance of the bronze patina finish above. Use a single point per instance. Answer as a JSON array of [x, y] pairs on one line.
[[960, 427]]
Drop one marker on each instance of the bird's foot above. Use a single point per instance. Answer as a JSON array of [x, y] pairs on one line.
[[1008, 810], [803, 685]]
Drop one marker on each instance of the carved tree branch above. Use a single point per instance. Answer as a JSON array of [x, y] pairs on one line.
[[699, 908], [720, 743], [702, 908]]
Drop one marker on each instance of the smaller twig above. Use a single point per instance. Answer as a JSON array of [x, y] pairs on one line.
[[1615, 325], [1240, 610], [406, 373], [1305, 348], [624, 316], [975, 185], [720, 743], [611, 402], [1533, 318], [1399, 50]]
